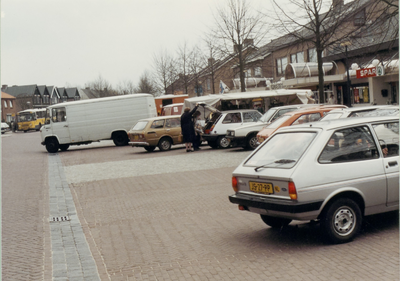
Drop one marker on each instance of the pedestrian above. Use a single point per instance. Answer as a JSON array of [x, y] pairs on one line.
[[188, 132], [331, 99], [197, 130]]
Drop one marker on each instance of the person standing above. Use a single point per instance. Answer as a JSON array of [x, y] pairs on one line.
[[198, 131], [188, 132]]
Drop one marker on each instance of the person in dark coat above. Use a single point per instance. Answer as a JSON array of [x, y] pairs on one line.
[[188, 132]]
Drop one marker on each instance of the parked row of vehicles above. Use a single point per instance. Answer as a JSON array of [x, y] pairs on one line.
[[310, 162]]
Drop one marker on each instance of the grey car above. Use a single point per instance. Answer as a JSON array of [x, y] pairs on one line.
[[335, 172]]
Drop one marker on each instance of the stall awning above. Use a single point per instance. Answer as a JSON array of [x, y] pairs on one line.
[[308, 69]]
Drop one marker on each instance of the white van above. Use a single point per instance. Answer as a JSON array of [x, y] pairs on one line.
[[85, 121]]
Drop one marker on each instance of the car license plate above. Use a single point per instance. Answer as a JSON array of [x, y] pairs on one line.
[[259, 187], [136, 137]]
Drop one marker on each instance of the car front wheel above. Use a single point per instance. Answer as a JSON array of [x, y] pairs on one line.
[[251, 142], [275, 222], [341, 221]]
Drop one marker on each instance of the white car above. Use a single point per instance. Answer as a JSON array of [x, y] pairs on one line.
[[360, 111], [4, 127], [246, 136], [335, 172], [219, 122]]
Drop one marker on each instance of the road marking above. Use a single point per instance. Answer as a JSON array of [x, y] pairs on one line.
[[71, 255]]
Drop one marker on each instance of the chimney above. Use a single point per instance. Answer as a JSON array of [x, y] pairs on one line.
[[3, 87], [249, 42]]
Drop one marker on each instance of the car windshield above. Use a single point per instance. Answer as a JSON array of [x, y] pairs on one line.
[[268, 115], [331, 116], [283, 150], [278, 122], [139, 126]]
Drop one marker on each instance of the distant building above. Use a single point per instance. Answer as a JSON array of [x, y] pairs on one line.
[[8, 108]]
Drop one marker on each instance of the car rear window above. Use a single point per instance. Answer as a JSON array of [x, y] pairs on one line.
[[139, 126], [283, 150]]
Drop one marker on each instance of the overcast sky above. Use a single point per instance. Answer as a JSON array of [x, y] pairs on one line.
[[72, 42]]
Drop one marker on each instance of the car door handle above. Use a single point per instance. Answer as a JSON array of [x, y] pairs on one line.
[[393, 163], [168, 130], [65, 125], [151, 132]]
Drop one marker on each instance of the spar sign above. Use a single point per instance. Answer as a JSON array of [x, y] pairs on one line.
[[366, 72]]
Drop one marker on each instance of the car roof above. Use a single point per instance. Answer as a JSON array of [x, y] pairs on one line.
[[311, 110], [160, 118], [239, 110], [344, 122], [360, 108]]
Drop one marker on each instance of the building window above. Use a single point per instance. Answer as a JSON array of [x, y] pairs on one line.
[[312, 55], [11, 105], [208, 83], [359, 18], [5, 104], [257, 71], [281, 65], [297, 58]]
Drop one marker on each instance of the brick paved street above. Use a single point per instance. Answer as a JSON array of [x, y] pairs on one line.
[[166, 216]]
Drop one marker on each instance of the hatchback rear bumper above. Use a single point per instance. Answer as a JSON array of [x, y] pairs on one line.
[[285, 206]]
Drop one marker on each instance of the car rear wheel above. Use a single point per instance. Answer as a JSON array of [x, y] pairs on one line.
[[164, 144], [251, 141], [150, 148], [223, 142], [341, 221], [52, 145], [64, 147], [275, 222], [120, 138]]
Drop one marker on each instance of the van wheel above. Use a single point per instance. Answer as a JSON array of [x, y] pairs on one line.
[[150, 148], [341, 221], [64, 147], [223, 142], [120, 139], [164, 144], [251, 142], [275, 222], [52, 145]]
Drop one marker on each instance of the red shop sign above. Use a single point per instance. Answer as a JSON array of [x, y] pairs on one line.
[[366, 72]]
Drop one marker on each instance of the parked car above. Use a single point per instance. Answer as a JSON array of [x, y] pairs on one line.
[[246, 136], [358, 111], [219, 122], [390, 110], [335, 172], [4, 127], [161, 132], [293, 118]]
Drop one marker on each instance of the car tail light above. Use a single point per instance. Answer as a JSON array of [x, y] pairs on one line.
[[234, 184], [260, 139], [207, 131], [292, 191]]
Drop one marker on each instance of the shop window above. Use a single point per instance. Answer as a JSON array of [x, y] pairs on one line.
[[281, 65], [312, 55], [257, 71], [361, 95]]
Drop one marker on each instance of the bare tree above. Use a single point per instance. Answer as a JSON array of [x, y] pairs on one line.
[[146, 84], [164, 69], [102, 86], [196, 64], [323, 25], [239, 27], [126, 87], [183, 66], [213, 56]]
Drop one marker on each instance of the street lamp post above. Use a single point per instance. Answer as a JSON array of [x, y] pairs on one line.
[[347, 102]]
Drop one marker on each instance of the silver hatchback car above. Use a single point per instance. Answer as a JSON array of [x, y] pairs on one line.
[[334, 171]]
